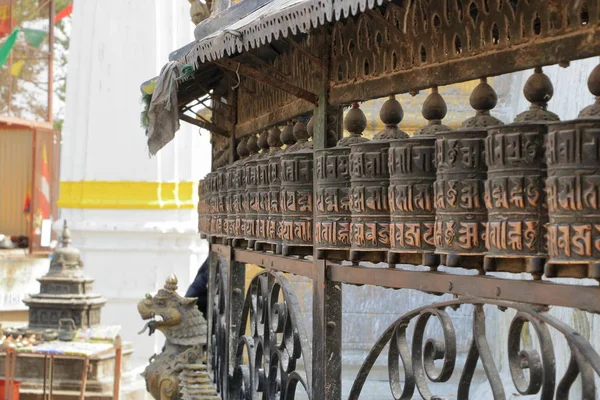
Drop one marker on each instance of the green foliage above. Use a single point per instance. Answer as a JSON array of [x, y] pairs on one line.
[[30, 89]]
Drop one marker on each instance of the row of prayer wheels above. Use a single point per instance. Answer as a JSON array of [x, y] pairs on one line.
[[521, 197]]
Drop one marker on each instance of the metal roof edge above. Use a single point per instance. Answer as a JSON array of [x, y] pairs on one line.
[[271, 21], [227, 17]]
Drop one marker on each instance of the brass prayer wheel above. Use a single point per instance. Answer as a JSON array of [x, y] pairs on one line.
[[412, 176], [236, 189], [251, 192], [573, 158], [461, 214], [202, 211], [296, 198], [333, 216], [221, 196], [515, 188], [212, 202], [262, 187], [274, 179], [369, 180], [286, 137]]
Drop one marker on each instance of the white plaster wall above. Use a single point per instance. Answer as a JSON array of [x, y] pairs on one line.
[[116, 45]]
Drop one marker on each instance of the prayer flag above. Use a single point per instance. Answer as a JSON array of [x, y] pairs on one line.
[[4, 20], [15, 69], [44, 199], [34, 36], [8, 46], [64, 13]]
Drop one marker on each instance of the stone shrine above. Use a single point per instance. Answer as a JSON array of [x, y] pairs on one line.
[[66, 293]]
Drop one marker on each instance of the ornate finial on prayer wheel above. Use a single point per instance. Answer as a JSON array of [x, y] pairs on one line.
[[274, 139], [391, 114], [482, 99], [355, 121], [252, 144], [287, 134], [538, 90], [300, 130], [594, 87], [263, 141], [434, 110]]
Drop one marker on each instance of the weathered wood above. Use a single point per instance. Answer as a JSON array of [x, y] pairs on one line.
[[268, 80], [204, 125], [266, 65], [547, 51], [381, 19], [273, 117], [327, 295], [316, 60]]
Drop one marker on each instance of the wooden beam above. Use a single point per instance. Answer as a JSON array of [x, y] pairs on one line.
[[204, 125], [277, 116], [267, 80]]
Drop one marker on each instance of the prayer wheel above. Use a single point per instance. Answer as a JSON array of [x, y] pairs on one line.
[[296, 201], [235, 192], [333, 217], [369, 181], [221, 227], [251, 192], [274, 217], [573, 159], [202, 212], [514, 190], [461, 215], [262, 187], [212, 202], [412, 176]]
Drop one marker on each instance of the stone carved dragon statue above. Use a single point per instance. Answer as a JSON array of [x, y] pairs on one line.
[[185, 329]]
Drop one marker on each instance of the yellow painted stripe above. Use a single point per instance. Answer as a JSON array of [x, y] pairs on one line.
[[128, 195]]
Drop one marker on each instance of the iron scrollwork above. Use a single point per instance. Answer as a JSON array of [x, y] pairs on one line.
[[271, 342], [218, 320], [533, 369]]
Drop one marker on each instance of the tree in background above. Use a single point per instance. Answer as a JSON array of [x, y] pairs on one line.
[[27, 74]]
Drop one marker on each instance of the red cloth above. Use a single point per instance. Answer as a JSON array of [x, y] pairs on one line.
[[64, 13]]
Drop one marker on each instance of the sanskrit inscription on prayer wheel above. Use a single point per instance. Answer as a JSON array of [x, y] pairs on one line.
[[202, 212], [514, 190], [212, 202], [275, 218], [369, 180], [333, 216], [262, 189], [235, 192], [573, 158], [251, 177], [274, 161], [221, 175], [296, 198], [461, 214], [412, 175]]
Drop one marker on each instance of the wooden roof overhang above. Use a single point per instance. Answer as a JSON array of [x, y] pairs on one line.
[[281, 59]]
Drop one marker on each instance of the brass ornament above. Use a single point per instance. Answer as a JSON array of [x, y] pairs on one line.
[[514, 191], [573, 159]]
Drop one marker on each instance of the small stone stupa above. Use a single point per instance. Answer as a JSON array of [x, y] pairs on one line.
[[66, 293]]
